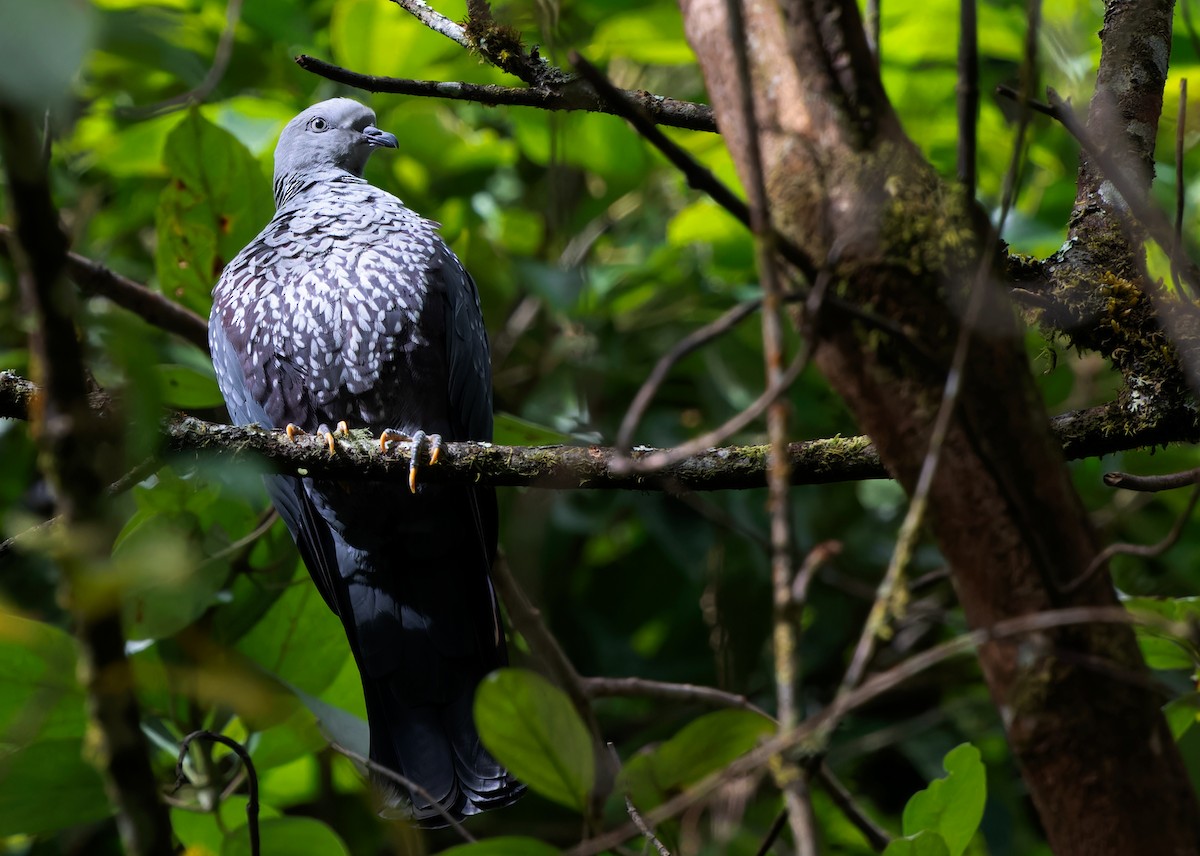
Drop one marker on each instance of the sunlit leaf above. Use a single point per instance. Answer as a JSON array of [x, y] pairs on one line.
[[923, 843], [531, 727], [287, 836], [215, 201], [953, 806]]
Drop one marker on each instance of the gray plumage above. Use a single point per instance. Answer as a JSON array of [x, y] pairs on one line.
[[349, 306]]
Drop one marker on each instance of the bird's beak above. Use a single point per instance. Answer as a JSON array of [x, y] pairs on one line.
[[375, 137]]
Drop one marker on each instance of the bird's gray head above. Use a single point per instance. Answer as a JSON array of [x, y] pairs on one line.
[[338, 134]]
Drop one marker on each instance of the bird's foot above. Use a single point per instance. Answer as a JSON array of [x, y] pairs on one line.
[[293, 431], [342, 429], [418, 439]]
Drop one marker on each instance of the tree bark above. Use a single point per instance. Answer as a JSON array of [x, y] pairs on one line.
[[852, 191]]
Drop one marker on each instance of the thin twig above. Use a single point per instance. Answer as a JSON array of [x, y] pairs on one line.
[[1144, 551], [875, 834], [94, 278], [816, 728], [575, 97], [527, 619], [657, 461], [435, 21], [662, 690], [1153, 484], [1149, 215], [790, 778], [689, 343], [404, 782], [914, 517], [251, 778], [635, 815], [68, 433], [221, 57]]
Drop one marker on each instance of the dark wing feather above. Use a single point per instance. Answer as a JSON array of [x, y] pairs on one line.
[[288, 495]]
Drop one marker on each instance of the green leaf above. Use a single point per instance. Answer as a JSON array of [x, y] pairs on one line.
[[216, 200], [288, 836], [339, 726], [531, 727], [703, 746], [39, 696], [1162, 652], [924, 843], [953, 806], [185, 388], [375, 38], [508, 845], [48, 786], [298, 640], [653, 35], [1182, 713], [166, 590]]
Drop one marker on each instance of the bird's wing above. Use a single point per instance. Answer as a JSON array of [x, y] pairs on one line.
[[467, 354], [291, 500]]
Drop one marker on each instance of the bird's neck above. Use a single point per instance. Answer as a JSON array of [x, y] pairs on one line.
[[290, 185]]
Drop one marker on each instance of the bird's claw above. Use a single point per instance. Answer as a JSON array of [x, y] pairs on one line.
[[418, 438], [293, 431], [342, 428]]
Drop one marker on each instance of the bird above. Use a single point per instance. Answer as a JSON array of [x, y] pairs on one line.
[[349, 309]]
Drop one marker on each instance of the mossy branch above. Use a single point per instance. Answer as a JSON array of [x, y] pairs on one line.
[[1084, 433]]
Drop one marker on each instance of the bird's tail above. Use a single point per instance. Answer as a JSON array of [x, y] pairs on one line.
[[437, 749]]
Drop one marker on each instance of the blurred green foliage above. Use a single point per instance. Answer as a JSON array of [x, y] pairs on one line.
[[593, 258]]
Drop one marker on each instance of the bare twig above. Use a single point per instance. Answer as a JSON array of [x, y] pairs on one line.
[[914, 517], [1144, 551], [404, 782], [658, 461], [527, 619], [791, 779], [636, 816], [662, 110], [664, 691], [1150, 216], [689, 343], [1153, 484], [221, 57], [435, 21], [875, 834], [94, 278], [251, 778], [816, 728]]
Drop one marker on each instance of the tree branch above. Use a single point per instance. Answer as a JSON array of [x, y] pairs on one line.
[[157, 309], [573, 95], [1087, 433]]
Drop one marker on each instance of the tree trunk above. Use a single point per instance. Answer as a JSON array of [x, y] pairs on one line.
[[854, 194]]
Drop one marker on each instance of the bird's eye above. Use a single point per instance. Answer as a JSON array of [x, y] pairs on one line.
[[318, 124]]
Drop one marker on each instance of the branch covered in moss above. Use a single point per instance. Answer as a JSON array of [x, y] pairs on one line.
[[1083, 433]]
